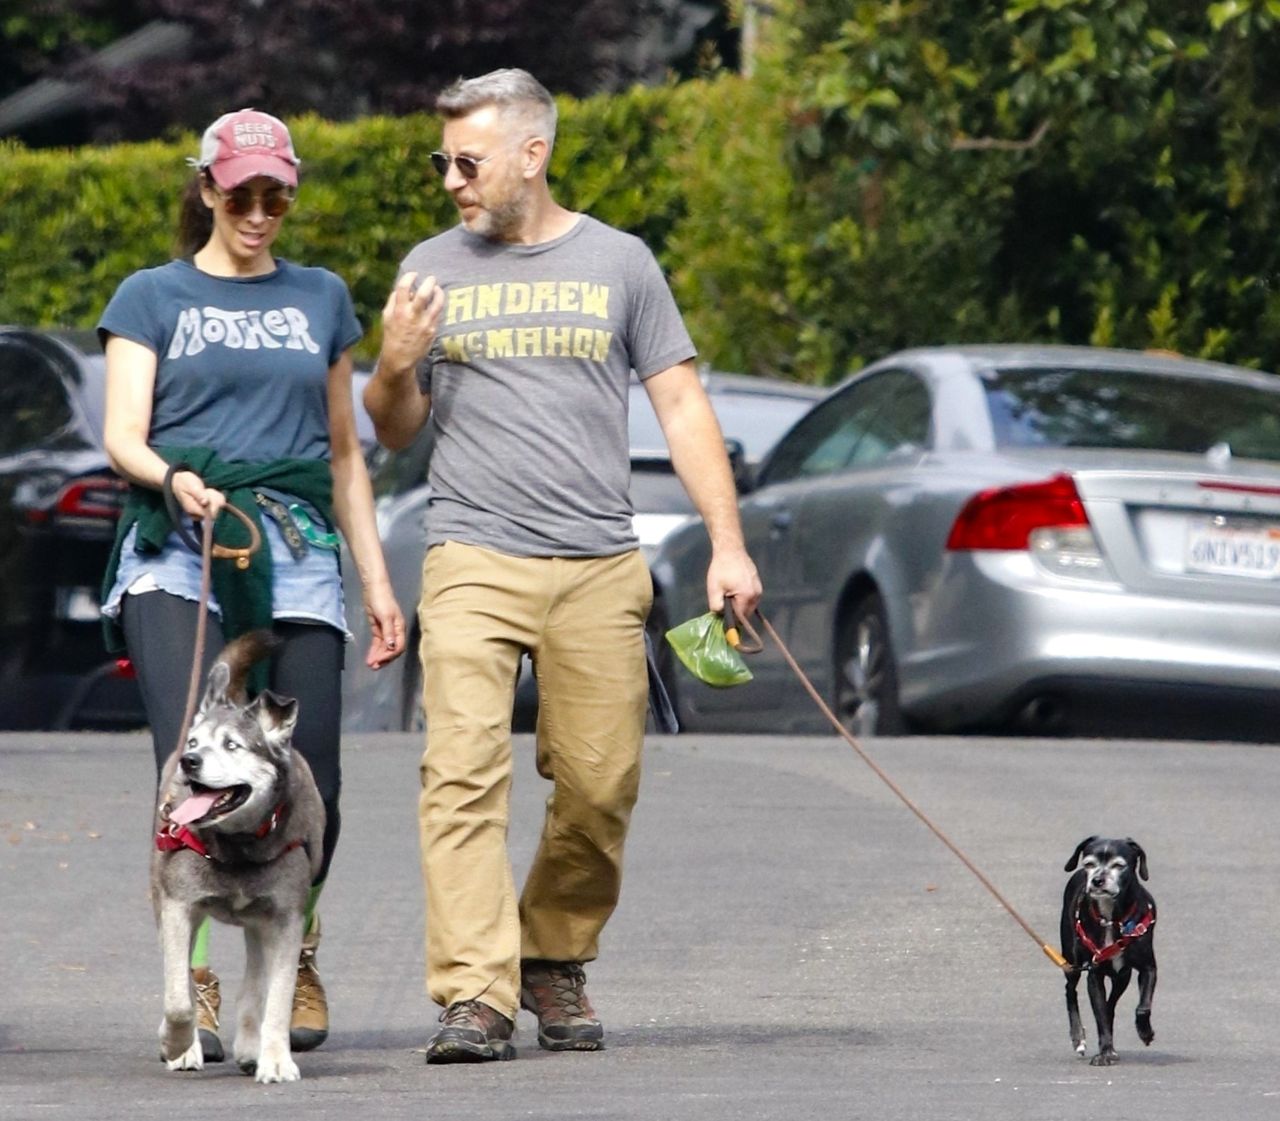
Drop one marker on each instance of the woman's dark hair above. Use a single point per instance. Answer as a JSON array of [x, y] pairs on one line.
[[195, 220]]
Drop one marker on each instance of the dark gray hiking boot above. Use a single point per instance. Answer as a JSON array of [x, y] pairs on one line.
[[554, 992], [472, 1033]]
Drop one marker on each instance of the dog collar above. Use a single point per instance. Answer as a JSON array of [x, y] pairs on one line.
[[171, 837], [268, 826], [1130, 929]]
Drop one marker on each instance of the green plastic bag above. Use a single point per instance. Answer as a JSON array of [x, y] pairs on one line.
[[702, 647]]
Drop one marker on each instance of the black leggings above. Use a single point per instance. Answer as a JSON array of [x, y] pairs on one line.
[[160, 632]]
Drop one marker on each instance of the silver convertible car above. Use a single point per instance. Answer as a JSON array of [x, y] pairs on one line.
[[1011, 536]]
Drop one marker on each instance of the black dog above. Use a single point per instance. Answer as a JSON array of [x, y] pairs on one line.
[[1107, 921]]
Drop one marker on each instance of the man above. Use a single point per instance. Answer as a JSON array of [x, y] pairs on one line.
[[514, 335]]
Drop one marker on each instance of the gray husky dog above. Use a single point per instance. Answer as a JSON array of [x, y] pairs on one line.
[[239, 827]]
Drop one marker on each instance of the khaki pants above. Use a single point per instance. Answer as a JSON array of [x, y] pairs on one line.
[[583, 622]]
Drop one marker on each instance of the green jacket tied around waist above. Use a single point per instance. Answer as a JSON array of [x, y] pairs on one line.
[[244, 595]]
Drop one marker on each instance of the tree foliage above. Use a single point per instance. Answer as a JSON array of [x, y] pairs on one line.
[[367, 195], [898, 173], [1064, 170], [42, 37]]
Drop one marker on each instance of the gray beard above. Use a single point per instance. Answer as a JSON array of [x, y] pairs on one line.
[[504, 222]]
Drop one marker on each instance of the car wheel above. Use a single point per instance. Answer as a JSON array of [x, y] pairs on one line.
[[412, 718], [866, 675]]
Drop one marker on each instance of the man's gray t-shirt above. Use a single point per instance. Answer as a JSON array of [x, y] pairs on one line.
[[528, 382]]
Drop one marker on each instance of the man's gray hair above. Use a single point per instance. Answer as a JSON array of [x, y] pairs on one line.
[[516, 93]]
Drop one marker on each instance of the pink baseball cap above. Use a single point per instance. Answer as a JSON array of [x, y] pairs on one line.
[[239, 146]]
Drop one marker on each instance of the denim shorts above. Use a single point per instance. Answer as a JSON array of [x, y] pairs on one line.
[[306, 589]]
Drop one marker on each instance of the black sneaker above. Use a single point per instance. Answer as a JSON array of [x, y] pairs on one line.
[[472, 1033], [553, 991]]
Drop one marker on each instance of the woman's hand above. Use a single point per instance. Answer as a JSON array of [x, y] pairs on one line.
[[194, 497], [386, 625]]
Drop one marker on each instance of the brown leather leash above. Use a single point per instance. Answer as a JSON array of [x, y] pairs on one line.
[[754, 645], [207, 549]]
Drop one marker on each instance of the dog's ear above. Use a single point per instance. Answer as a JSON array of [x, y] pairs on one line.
[[216, 691], [1070, 865], [277, 717], [1140, 854]]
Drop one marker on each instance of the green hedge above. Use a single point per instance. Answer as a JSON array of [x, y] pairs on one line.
[[1020, 170], [77, 222]]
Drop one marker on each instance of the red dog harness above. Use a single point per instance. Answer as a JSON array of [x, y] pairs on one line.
[[171, 837], [1129, 929]]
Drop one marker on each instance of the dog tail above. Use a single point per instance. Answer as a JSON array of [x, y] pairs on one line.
[[240, 654]]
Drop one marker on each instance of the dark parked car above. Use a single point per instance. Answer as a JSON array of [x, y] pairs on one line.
[[753, 413], [1049, 538], [59, 506]]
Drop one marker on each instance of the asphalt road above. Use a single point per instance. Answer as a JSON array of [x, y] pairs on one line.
[[792, 942]]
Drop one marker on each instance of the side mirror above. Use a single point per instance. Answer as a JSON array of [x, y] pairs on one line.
[[738, 464]]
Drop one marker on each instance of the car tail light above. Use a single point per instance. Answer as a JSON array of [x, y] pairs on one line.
[[1005, 517], [94, 496], [1047, 519], [125, 669]]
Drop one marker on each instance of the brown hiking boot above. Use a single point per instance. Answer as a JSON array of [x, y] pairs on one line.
[[309, 1026], [553, 991], [472, 1033], [208, 1005]]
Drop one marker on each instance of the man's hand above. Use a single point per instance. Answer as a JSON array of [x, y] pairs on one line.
[[409, 320], [395, 404], [732, 573]]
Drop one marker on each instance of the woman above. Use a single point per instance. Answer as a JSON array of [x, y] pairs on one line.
[[231, 369]]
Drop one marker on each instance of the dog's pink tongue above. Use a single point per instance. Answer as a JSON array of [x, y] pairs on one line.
[[194, 808]]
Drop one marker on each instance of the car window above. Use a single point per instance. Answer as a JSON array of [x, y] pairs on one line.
[[901, 424], [643, 429], [860, 425], [654, 486], [33, 400], [1125, 409], [755, 419]]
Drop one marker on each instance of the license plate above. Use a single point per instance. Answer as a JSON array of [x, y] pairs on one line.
[[1224, 549]]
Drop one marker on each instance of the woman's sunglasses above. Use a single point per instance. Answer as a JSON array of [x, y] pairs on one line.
[[468, 165], [242, 200]]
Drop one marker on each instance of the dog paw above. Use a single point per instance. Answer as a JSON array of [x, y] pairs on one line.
[[190, 1059], [1145, 1032], [180, 1046], [282, 1069], [1104, 1059], [1081, 1050]]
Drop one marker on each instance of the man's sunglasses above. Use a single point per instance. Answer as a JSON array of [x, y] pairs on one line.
[[468, 165], [242, 200]]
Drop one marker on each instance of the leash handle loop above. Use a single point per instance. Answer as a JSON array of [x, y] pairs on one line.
[[732, 621], [240, 554]]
